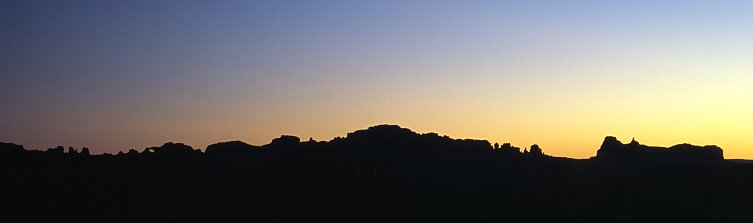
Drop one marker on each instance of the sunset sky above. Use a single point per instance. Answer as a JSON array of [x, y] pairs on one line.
[[115, 75]]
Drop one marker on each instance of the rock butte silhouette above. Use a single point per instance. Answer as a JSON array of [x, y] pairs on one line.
[[383, 140], [381, 174], [613, 148]]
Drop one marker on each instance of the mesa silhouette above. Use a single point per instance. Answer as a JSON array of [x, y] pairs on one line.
[[614, 149], [382, 174]]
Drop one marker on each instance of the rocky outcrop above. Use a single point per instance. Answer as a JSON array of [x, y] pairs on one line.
[[535, 152], [10, 149], [229, 149], [612, 148], [173, 150]]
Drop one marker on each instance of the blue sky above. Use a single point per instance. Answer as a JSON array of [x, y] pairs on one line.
[[114, 75]]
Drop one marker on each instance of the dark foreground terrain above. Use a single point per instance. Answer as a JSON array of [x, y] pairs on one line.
[[382, 174]]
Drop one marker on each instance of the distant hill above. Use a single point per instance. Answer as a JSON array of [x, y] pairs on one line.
[[392, 142], [385, 173], [612, 148]]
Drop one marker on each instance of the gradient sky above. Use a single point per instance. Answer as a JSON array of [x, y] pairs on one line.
[[114, 75]]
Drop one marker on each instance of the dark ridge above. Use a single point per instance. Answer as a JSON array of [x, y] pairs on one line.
[[612, 148], [381, 174], [173, 150], [8, 148], [284, 141], [230, 149]]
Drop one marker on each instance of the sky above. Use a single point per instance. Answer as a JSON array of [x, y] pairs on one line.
[[115, 75]]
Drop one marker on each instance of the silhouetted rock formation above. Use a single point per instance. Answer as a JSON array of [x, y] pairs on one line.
[[391, 143], [72, 151], [535, 152], [7, 148], [612, 148], [173, 150], [381, 174], [56, 151], [230, 149], [285, 140], [85, 151], [508, 150]]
